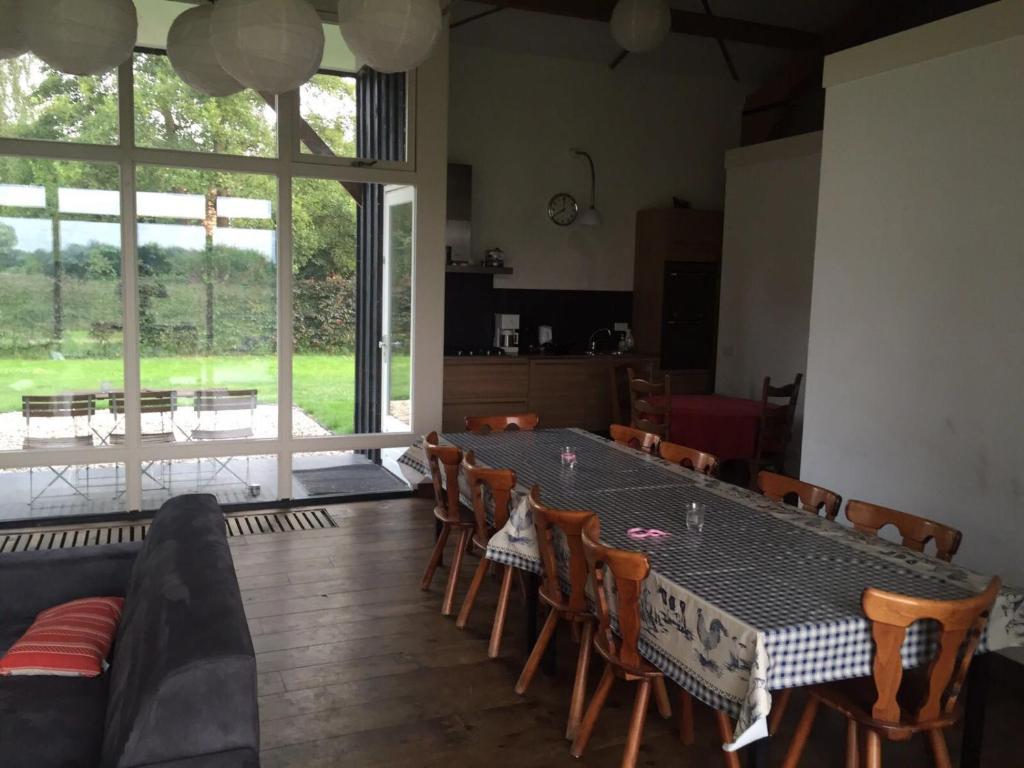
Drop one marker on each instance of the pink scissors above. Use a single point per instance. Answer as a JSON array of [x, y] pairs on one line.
[[646, 533]]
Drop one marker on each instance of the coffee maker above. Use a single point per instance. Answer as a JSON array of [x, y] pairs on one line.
[[506, 333]]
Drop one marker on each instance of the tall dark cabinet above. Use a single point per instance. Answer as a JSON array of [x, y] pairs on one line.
[[675, 293]]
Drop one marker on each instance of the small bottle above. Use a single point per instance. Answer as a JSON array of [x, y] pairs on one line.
[[627, 340]]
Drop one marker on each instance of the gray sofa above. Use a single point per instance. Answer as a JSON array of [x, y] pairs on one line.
[[181, 689]]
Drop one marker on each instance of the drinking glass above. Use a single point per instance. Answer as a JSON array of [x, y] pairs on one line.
[[569, 457], [695, 516]]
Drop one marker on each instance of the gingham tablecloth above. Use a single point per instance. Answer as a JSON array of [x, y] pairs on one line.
[[766, 597]]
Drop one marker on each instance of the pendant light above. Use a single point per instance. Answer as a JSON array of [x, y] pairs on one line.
[[390, 35], [192, 54], [641, 25], [590, 217], [13, 41], [81, 37]]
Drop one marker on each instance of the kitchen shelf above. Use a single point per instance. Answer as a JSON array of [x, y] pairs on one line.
[[477, 269]]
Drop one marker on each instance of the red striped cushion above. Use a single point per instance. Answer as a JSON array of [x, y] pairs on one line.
[[72, 640]]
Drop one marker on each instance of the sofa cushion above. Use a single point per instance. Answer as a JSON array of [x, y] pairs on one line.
[[183, 677], [51, 721]]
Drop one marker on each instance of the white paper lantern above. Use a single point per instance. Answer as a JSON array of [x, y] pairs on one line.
[[191, 53], [81, 37], [13, 41], [268, 45], [390, 35], [641, 25]]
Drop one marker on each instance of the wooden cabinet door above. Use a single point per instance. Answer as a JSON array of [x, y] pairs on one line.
[[571, 393]]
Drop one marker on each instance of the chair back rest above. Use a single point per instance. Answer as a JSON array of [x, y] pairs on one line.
[[960, 623], [635, 438], [570, 523], [788, 392], [225, 400], [796, 493], [444, 461], [628, 571], [500, 483], [915, 531], [650, 404], [512, 422], [151, 401], [691, 458], [57, 406], [622, 374]]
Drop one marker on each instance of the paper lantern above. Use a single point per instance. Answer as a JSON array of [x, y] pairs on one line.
[[81, 37], [641, 25], [191, 53], [13, 41], [390, 35], [268, 45]]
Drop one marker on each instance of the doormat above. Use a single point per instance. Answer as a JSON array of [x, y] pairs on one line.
[[238, 524], [349, 479]]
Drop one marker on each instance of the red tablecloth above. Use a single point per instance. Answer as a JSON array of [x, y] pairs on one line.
[[724, 426]]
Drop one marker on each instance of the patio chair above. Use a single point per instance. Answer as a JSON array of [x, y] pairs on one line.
[[157, 409], [224, 414], [58, 421]]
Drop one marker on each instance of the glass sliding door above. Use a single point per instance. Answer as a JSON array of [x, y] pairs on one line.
[[396, 306]]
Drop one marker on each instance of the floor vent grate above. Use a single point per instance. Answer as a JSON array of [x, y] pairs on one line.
[[238, 524]]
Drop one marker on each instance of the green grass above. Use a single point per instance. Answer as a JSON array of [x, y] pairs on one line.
[[324, 385]]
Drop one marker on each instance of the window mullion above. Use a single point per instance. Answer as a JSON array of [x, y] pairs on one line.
[[287, 120]]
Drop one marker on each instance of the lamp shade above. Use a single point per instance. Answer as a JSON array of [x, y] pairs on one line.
[[191, 53], [390, 35], [268, 45], [13, 41], [81, 37], [641, 25]]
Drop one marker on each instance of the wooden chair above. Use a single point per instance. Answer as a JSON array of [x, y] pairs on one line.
[[634, 438], [892, 705], [621, 653], [690, 458], [449, 512], [500, 483], [571, 607], [512, 422], [776, 426], [650, 405], [797, 493], [915, 531], [622, 402]]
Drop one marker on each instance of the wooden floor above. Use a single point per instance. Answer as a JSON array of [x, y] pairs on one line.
[[358, 668]]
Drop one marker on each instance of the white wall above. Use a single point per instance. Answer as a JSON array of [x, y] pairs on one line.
[[771, 212], [653, 135], [915, 394]]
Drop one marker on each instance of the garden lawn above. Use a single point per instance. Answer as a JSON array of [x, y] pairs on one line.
[[324, 385]]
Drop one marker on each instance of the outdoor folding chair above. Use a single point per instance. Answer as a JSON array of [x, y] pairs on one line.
[[58, 421], [157, 413], [224, 414]]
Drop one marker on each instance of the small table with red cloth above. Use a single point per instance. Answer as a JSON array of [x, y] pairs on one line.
[[724, 426]]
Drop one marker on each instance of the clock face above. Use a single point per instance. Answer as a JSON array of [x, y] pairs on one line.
[[562, 209]]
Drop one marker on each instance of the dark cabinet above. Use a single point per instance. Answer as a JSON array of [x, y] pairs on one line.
[[689, 315]]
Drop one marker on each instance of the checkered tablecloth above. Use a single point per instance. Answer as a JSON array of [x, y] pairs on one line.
[[766, 597]]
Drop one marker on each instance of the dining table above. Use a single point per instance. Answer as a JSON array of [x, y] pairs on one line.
[[764, 597], [723, 426]]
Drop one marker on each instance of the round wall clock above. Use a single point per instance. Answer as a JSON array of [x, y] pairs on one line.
[[562, 209]]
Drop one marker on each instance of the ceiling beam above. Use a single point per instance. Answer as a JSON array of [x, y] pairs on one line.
[[683, 22]]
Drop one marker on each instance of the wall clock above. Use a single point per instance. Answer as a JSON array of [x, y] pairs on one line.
[[562, 209]]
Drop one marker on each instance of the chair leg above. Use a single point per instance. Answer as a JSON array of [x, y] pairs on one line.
[[474, 588], [685, 718], [661, 697], [779, 706], [803, 731], [579, 686], [937, 740], [636, 724], [724, 724], [852, 745], [453, 575], [494, 648], [872, 749], [435, 558], [593, 711], [537, 653]]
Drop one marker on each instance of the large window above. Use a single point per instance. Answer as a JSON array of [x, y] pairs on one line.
[[192, 303]]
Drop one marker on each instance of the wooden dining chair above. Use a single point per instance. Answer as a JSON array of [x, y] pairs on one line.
[[775, 429], [892, 705], [797, 493], [444, 462], [634, 438], [621, 375], [691, 458], [570, 607], [512, 422], [499, 482], [915, 531], [620, 651], [650, 405]]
